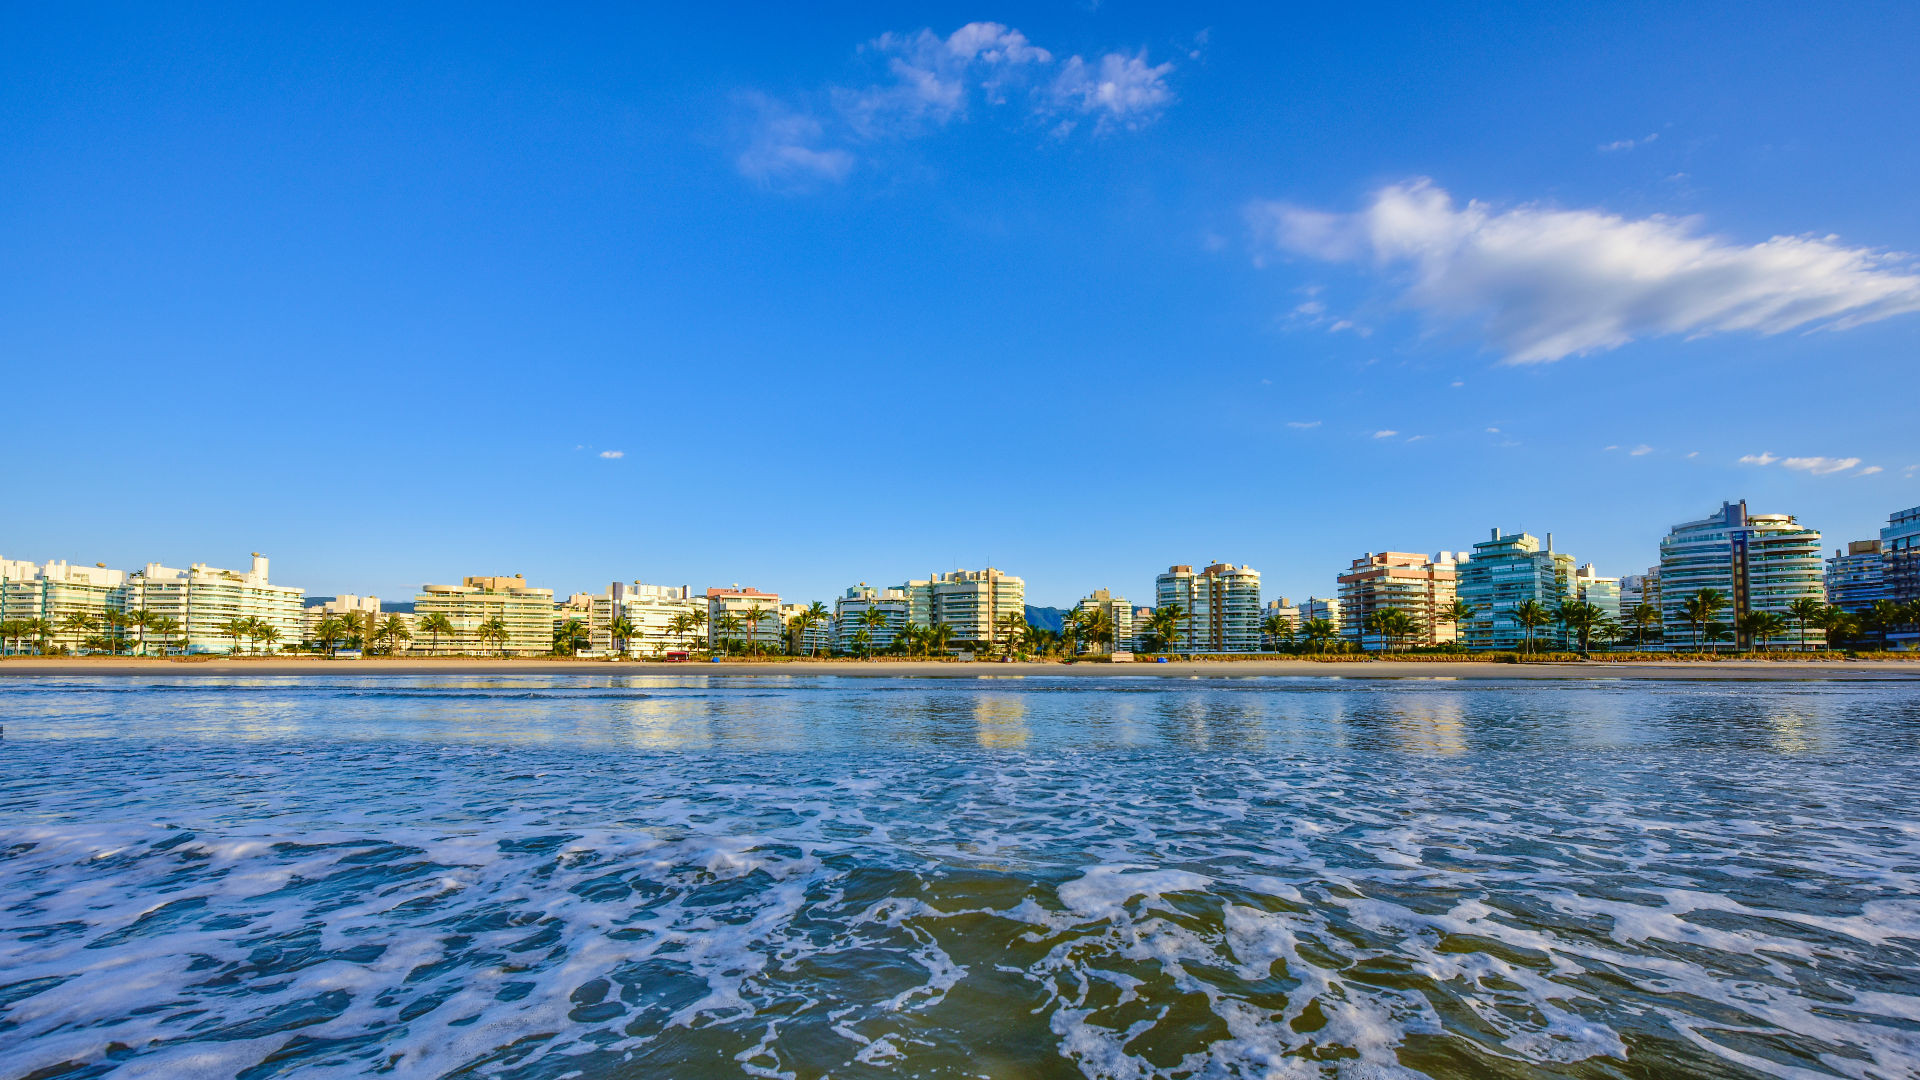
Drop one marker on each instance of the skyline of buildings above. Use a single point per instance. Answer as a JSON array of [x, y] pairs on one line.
[[1759, 563]]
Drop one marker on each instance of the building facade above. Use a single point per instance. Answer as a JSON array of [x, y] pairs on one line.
[[815, 640], [65, 596], [1288, 611], [526, 614], [1222, 605], [1856, 577], [1756, 562], [1602, 592], [653, 611], [974, 603], [850, 617], [1421, 586], [1319, 609], [205, 600], [758, 614], [1900, 549], [1102, 607], [1505, 571]]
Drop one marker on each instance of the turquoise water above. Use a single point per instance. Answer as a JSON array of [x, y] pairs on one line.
[[598, 877]]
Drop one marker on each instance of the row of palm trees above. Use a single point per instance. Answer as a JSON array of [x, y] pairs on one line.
[[97, 631]]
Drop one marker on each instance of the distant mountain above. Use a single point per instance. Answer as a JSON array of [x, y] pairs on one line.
[[1049, 618]]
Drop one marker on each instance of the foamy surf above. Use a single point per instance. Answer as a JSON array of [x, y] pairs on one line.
[[1300, 890]]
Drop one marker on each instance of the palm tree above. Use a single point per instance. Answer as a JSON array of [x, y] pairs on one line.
[[1531, 615], [1318, 632], [1456, 613], [814, 614], [1074, 629], [938, 639], [1764, 625], [1039, 640], [435, 623], [679, 626], [328, 632], [262, 631], [873, 620], [235, 629], [620, 632], [1164, 625], [570, 636], [494, 630], [137, 620], [697, 620], [726, 625], [1718, 631], [1277, 628], [163, 627], [1700, 608], [1806, 610], [12, 630], [394, 631], [862, 642], [1645, 618], [1582, 619], [1010, 628], [78, 623]]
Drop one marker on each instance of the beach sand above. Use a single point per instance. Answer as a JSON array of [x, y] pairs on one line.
[[1744, 670]]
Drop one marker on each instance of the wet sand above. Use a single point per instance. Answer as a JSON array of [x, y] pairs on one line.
[[1742, 670]]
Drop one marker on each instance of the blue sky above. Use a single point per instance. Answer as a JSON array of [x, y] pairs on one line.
[[1079, 291]]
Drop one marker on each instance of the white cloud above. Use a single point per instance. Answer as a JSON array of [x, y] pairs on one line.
[[1640, 451], [1496, 431], [1870, 470], [1385, 434], [613, 454], [1626, 144], [1303, 424], [1415, 438], [1456, 384], [1817, 466], [1609, 449], [1544, 283], [1122, 90], [781, 147], [1693, 453], [931, 81]]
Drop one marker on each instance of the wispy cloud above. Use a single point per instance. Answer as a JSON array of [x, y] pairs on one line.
[[1640, 451], [930, 81], [1870, 470], [1385, 433], [1817, 466], [1303, 425], [1545, 283], [1618, 145], [613, 454]]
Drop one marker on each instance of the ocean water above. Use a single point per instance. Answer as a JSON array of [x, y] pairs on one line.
[[549, 877]]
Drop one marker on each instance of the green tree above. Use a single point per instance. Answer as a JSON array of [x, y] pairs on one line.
[[620, 632], [434, 624], [1806, 611], [393, 631], [1319, 633], [1644, 620], [938, 640], [570, 637], [862, 643], [163, 627], [329, 632], [1762, 625], [1008, 631], [1163, 626], [137, 621], [1699, 610], [1277, 628], [1531, 615], [1456, 613], [262, 633], [727, 625], [815, 614], [1581, 619], [79, 624], [872, 620], [493, 630]]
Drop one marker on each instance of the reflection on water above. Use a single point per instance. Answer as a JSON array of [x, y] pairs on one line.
[[698, 876]]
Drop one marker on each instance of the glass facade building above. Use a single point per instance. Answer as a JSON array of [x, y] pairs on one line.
[[1756, 562]]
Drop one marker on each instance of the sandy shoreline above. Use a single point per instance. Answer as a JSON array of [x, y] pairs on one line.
[[1779, 670]]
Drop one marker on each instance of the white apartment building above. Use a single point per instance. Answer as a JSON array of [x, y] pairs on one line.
[[758, 612], [1756, 562], [850, 616], [60, 593], [205, 599], [972, 602], [349, 604], [1222, 605], [527, 615], [816, 640], [653, 610], [1117, 614]]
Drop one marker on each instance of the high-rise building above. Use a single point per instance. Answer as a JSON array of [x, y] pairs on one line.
[[975, 603], [1318, 609], [1222, 605], [1505, 571], [64, 595], [204, 600], [1289, 612], [1422, 586], [1756, 562], [1602, 592], [1115, 613], [652, 610], [850, 616], [758, 614], [815, 640], [525, 615], [1857, 577], [1900, 549]]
